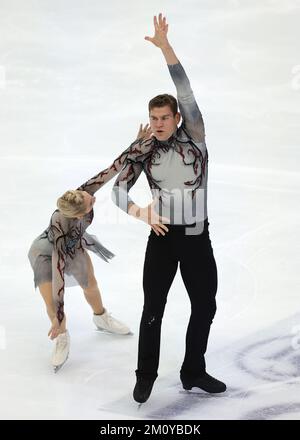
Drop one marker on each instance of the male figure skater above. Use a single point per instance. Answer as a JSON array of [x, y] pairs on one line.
[[175, 163]]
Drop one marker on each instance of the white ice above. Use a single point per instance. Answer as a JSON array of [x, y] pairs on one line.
[[75, 79]]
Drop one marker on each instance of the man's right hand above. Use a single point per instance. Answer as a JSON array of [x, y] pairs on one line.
[[150, 216]]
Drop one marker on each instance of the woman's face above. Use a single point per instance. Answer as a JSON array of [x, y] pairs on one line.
[[89, 202]]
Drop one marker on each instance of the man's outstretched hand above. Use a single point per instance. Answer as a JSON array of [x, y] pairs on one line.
[[161, 30]]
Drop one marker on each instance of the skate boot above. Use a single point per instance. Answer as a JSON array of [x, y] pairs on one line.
[[142, 389], [61, 350], [204, 382], [110, 324]]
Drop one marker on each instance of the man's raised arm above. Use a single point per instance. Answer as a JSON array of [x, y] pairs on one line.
[[191, 115]]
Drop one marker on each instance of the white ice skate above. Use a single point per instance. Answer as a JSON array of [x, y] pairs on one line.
[[61, 350], [110, 324]]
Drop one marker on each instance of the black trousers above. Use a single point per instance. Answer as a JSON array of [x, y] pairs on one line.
[[198, 269]]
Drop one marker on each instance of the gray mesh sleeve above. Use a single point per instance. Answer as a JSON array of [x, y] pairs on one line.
[[191, 115], [125, 181]]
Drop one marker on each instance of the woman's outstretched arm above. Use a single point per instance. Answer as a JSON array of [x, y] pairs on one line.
[[96, 182]]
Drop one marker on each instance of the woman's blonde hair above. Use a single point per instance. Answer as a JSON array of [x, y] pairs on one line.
[[71, 204]]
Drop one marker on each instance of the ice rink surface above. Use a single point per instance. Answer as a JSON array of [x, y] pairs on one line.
[[75, 80]]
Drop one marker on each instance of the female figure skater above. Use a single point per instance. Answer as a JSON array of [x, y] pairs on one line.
[[59, 255]]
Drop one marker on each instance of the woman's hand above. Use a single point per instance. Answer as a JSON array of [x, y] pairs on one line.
[[160, 34], [55, 329], [144, 132]]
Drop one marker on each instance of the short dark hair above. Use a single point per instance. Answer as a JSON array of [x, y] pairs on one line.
[[162, 100]]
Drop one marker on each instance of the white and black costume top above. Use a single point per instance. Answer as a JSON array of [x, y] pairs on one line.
[[176, 169]]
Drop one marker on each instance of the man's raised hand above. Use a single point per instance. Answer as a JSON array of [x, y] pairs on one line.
[[161, 29]]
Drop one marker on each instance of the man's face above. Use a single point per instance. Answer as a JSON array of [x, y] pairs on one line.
[[163, 123]]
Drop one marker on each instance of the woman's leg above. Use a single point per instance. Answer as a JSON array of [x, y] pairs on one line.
[[92, 292], [102, 319], [46, 292]]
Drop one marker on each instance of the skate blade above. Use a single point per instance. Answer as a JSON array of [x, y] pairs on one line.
[[56, 368], [103, 330]]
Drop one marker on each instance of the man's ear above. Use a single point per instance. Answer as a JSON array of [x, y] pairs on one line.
[[177, 117]]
